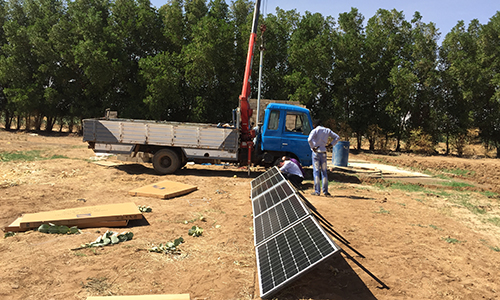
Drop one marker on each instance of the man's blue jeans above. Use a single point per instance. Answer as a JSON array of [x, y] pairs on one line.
[[320, 169]]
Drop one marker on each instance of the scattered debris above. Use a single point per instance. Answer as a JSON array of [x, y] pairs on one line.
[[9, 234], [108, 238], [144, 208], [195, 231], [168, 247]]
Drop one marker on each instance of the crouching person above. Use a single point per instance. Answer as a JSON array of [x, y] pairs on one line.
[[292, 172]]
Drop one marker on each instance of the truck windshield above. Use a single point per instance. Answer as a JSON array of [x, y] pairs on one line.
[[298, 122]]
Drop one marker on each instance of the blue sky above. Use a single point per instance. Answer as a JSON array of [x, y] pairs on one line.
[[444, 13]]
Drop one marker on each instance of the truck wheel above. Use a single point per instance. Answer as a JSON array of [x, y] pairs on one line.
[[166, 161]]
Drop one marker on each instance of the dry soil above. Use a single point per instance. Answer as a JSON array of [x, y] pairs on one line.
[[403, 237]]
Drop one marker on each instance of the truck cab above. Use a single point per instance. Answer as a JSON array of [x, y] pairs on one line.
[[284, 132]]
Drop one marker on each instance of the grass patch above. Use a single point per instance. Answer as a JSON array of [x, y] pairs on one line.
[[489, 194], [495, 221], [463, 200], [31, 155], [459, 172], [455, 184], [494, 248], [406, 187], [435, 227], [451, 240], [382, 211]]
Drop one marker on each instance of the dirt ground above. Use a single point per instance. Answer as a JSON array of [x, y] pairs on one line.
[[405, 238]]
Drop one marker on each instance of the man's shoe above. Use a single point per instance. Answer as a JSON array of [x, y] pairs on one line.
[[315, 194], [328, 195]]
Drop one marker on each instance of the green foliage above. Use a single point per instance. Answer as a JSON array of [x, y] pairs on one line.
[[168, 247], [31, 155], [57, 229], [195, 231], [407, 187], [495, 221], [459, 172], [465, 201], [383, 211], [451, 240], [9, 234], [420, 142], [144, 208], [109, 238], [185, 62]]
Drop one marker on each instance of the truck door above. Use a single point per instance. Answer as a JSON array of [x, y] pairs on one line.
[[272, 138], [295, 133]]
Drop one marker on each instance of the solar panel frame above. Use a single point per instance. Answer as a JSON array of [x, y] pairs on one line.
[[280, 260]]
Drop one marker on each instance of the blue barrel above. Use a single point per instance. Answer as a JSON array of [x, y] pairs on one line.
[[340, 155]]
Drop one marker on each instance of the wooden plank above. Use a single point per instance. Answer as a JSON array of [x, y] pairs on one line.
[[164, 189], [143, 297], [90, 216]]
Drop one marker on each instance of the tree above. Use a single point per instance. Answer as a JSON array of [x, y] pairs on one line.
[[92, 51], [163, 75], [210, 65], [387, 39], [487, 112], [423, 60], [276, 67], [460, 71], [138, 33], [19, 64], [175, 25], [352, 106], [311, 61]]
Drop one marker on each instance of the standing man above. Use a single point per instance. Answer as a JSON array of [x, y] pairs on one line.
[[318, 139]]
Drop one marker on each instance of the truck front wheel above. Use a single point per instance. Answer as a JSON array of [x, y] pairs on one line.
[[166, 161]]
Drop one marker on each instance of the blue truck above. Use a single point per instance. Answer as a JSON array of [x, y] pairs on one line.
[[170, 145]]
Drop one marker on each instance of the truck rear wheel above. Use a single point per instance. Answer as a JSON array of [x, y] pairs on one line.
[[166, 161]]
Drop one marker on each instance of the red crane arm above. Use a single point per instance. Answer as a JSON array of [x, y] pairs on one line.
[[245, 110]]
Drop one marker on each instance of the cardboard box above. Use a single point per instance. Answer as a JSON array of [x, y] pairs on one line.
[[89, 216], [163, 189]]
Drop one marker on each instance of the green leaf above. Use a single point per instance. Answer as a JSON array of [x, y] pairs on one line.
[[44, 228]]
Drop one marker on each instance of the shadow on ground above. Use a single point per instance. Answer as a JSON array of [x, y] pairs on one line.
[[333, 279]]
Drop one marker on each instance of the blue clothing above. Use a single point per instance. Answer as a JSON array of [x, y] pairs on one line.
[[319, 138], [319, 168]]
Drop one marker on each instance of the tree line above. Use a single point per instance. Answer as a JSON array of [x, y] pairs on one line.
[[62, 61]]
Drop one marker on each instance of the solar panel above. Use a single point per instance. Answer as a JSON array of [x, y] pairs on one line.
[[267, 183], [278, 217], [271, 197], [290, 253], [288, 239], [264, 176]]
